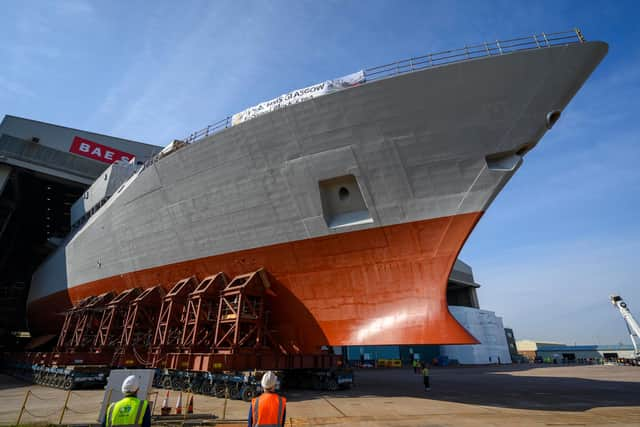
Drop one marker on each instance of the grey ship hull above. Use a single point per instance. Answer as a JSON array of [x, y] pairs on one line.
[[422, 154]]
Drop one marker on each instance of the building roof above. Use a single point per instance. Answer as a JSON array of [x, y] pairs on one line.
[[531, 345], [569, 348], [10, 117]]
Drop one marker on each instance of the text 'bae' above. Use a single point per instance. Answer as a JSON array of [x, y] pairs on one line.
[[95, 151]]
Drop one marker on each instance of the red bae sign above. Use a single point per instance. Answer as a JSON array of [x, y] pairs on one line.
[[95, 151]]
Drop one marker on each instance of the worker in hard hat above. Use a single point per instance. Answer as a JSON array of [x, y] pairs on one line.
[[129, 411], [268, 409], [425, 376]]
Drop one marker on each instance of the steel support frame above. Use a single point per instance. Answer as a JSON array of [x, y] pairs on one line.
[[87, 321], [181, 330], [70, 318], [169, 327], [201, 314], [138, 327], [240, 323], [112, 321]]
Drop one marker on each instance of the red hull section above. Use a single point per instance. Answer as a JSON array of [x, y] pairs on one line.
[[384, 285]]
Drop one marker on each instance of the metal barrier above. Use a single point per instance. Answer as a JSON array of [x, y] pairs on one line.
[[209, 130], [494, 48], [498, 47]]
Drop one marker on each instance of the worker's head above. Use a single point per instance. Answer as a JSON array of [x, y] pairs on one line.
[[269, 381], [130, 385]]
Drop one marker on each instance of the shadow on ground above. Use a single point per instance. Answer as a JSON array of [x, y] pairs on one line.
[[518, 387], [7, 382]]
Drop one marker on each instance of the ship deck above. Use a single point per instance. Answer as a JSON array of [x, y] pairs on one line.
[[527, 395]]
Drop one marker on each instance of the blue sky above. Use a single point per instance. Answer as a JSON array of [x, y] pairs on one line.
[[558, 240]]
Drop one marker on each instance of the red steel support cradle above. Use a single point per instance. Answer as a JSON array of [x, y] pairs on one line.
[[214, 326], [88, 322], [169, 329], [241, 314], [78, 332], [240, 338], [201, 314], [70, 320], [112, 322], [139, 325]]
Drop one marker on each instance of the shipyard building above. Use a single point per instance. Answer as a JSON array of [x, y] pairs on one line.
[[45, 175], [44, 169], [555, 352]]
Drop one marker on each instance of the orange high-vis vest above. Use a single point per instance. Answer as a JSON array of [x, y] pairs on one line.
[[267, 410]]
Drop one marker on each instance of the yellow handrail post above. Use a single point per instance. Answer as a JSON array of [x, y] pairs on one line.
[[155, 400], [184, 413], [24, 405], [224, 408], [109, 398], [64, 408], [106, 406]]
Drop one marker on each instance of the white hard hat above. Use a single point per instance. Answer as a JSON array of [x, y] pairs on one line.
[[130, 384], [269, 380]]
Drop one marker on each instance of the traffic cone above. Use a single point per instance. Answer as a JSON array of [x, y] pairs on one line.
[[190, 406], [165, 409], [179, 404]]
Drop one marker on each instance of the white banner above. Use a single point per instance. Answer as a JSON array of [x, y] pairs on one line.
[[299, 95]]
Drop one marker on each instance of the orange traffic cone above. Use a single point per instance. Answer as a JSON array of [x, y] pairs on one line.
[[165, 409], [190, 406], [179, 404]]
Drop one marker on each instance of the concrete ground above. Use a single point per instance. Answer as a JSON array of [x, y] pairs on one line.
[[524, 395]]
